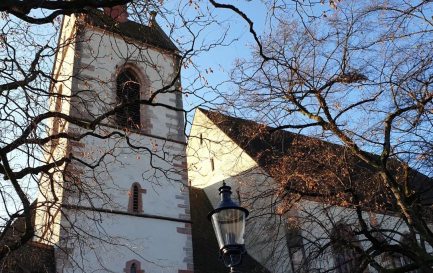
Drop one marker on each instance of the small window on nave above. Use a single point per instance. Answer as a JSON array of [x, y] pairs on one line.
[[295, 245], [399, 260], [345, 246], [128, 91]]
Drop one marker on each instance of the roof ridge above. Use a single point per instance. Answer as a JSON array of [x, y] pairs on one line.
[[297, 160]]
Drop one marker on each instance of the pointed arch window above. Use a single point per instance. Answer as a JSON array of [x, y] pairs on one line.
[[133, 266], [389, 260], [128, 91], [296, 249], [344, 245], [400, 260]]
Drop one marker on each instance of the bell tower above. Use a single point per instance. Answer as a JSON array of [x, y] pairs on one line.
[[117, 197]]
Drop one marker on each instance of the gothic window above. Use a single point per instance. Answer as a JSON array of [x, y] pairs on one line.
[[133, 266], [344, 245], [388, 260], [401, 260], [296, 249], [392, 261], [128, 91], [135, 204], [397, 260]]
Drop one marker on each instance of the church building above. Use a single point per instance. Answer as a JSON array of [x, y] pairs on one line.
[[308, 198], [132, 195]]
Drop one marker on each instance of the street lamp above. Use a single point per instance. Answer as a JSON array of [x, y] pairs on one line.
[[228, 220]]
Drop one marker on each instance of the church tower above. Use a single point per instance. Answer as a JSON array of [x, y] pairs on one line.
[[117, 197]]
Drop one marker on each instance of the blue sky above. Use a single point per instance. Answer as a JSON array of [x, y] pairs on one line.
[[221, 59]]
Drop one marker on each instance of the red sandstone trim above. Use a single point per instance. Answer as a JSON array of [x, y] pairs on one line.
[[140, 198], [150, 216], [129, 263], [185, 230]]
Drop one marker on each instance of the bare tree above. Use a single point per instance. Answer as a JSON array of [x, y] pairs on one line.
[[52, 9], [42, 145], [355, 74], [358, 75]]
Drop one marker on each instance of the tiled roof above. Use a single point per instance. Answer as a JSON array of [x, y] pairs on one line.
[[315, 168], [154, 35]]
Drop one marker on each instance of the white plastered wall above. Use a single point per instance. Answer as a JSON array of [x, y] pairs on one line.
[[241, 172], [229, 159]]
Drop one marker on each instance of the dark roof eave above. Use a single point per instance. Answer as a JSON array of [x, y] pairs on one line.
[[153, 36], [268, 146]]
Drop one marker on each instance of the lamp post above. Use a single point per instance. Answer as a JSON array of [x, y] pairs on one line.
[[228, 220]]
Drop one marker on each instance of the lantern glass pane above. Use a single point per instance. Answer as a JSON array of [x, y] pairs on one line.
[[229, 226]]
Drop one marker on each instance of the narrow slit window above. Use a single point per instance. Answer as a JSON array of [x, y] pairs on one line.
[[135, 204], [238, 193], [212, 164], [57, 121], [201, 139], [57, 109]]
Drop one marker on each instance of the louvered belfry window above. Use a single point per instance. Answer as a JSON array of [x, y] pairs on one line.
[[128, 91], [135, 196]]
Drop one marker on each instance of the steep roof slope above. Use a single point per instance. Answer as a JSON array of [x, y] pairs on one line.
[[152, 35], [316, 169]]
